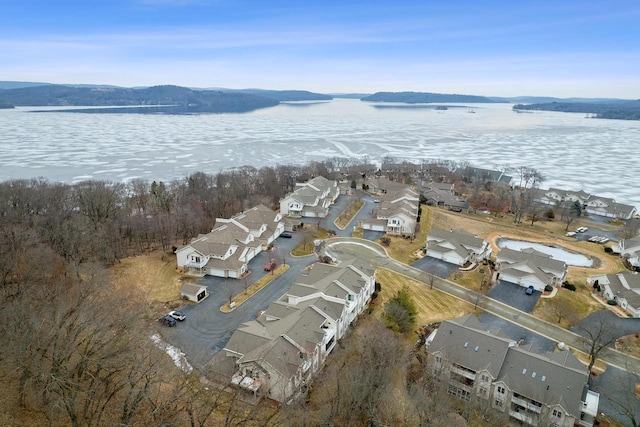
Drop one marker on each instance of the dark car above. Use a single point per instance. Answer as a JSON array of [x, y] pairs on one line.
[[167, 320], [529, 290], [286, 235]]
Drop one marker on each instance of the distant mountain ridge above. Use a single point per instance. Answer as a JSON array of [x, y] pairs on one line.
[[425, 98], [166, 99], [620, 110]]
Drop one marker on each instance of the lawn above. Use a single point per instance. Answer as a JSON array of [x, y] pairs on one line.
[[405, 249], [309, 234], [155, 275], [432, 305]]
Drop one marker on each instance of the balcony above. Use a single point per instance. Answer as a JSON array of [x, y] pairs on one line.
[[464, 372], [526, 404]]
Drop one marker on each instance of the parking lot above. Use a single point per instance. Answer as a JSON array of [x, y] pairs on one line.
[[206, 329], [435, 266], [514, 295]]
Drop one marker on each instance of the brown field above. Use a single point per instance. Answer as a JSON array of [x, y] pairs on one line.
[[432, 305], [155, 275]]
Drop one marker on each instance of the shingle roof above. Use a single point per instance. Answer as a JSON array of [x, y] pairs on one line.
[[546, 263], [462, 341]]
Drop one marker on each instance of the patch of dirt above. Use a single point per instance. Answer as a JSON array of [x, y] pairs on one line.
[[629, 344]]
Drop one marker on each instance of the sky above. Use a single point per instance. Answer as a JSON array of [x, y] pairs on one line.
[[562, 48]]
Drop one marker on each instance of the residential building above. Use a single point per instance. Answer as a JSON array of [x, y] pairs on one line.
[[278, 354], [630, 250], [443, 194], [396, 213], [311, 199], [529, 267], [531, 388], [591, 204], [456, 246], [228, 248], [622, 287]]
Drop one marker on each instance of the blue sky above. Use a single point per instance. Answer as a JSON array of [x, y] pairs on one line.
[[502, 48]]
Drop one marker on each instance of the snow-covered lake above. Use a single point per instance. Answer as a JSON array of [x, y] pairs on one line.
[[572, 152]]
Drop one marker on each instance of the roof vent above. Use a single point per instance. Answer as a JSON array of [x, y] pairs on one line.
[[466, 345], [524, 371], [533, 375], [476, 349], [543, 379]]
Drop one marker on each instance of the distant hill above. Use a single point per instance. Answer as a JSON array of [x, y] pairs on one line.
[[424, 97], [283, 95], [168, 99], [621, 110], [550, 99]]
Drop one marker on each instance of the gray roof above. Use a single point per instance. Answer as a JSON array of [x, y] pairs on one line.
[[456, 237], [464, 342], [300, 325], [525, 269], [546, 263], [553, 378]]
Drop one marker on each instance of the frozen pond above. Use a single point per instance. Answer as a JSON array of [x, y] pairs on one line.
[[556, 252]]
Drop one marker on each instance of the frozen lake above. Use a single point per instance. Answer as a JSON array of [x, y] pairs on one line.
[[573, 152], [556, 252]]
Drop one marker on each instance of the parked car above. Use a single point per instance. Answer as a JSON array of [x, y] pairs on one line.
[[286, 235], [529, 290], [178, 315], [167, 320], [570, 234], [270, 266], [376, 200]]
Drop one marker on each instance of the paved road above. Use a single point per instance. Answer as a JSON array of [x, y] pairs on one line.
[[206, 329], [341, 247]]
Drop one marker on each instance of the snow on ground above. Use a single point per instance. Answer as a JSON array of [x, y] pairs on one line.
[[174, 352]]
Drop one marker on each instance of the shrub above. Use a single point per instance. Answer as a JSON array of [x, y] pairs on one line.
[[378, 287], [374, 295], [548, 288], [385, 241], [612, 302], [608, 250], [570, 286], [400, 312], [550, 214]]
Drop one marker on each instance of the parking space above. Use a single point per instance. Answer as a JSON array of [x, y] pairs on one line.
[[435, 266], [514, 295], [515, 332]]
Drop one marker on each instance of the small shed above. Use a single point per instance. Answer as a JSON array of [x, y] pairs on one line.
[[193, 292]]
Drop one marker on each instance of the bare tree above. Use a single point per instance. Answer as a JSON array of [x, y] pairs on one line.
[[599, 335]]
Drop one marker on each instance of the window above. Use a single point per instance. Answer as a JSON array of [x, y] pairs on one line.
[[501, 390], [498, 403], [557, 414], [485, 378]]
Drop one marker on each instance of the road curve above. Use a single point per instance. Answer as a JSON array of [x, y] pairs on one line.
[[344, 248]]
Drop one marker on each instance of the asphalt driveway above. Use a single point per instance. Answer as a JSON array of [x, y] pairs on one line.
[[435, 266], [514, 295], [206, 329]]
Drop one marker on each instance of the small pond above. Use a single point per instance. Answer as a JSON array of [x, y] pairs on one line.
[[556, 252]]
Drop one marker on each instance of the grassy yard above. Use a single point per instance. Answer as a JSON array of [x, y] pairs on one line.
[[432, 305], [404, 249], [309, 234], [155, 275]]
